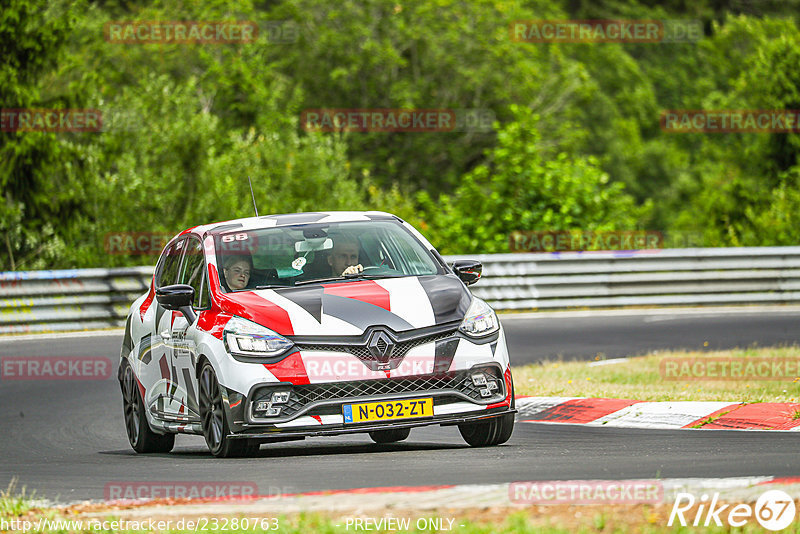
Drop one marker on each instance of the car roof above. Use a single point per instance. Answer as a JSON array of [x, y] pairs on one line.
[[289, 219]]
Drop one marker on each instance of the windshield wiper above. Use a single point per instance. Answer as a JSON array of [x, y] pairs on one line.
[[273, 286], [319, 280]]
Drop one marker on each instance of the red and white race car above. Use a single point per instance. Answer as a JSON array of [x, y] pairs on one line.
[[279, 327]]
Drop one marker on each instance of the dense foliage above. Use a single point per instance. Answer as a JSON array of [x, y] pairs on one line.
[[576, 143]]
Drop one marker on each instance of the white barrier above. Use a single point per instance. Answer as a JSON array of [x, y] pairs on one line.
[[96, 298], [640, 278], [75, 299]]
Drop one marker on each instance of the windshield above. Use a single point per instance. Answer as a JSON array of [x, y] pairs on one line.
[[309, 254]]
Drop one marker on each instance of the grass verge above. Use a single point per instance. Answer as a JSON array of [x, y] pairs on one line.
[[22, 514], [645, 378], [13, 502]]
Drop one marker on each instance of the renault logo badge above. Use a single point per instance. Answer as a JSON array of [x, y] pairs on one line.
[[381, 346]]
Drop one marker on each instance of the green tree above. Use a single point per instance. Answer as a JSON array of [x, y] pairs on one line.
[[41, 181], [520, 189], [743, 181]]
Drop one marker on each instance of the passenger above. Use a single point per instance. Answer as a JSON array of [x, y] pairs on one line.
[[343, 257], [237, 271]]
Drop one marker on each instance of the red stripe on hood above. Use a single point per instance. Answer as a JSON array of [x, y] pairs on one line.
[[259, 310], [290, 369], [213, 322], [366, 291]]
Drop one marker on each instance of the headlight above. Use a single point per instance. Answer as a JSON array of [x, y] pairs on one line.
[[480, 320], [246, 338]]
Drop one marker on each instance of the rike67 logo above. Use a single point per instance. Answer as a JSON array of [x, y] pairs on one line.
[[774, 510]]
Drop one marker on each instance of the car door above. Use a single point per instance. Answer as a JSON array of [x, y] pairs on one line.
[[164, 400], [181, 340]]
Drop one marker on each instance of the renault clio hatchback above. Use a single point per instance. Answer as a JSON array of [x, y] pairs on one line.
[[274, 328]]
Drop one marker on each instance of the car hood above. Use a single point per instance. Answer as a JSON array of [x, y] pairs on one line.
[[349, 308]]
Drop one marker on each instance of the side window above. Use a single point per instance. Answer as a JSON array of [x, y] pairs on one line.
[[193, 271], [168, 267]]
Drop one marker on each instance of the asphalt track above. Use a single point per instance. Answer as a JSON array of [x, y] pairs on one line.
[[584, 336], [66, 440]]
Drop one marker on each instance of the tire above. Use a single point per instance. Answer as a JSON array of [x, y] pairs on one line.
[[140, 436], [489, 433], [389, 436], [215, 422]]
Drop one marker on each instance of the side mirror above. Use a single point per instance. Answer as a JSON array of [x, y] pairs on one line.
[[469, 271], [177, 297]]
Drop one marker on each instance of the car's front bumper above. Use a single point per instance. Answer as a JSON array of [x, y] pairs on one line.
[[282, 434], [317, 409], [321, 405]]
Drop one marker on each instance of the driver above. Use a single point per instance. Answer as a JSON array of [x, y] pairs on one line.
[[343, 257]]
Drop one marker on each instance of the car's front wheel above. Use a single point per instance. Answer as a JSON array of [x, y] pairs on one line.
[[215, 423], [495, 431], [141, 438], [389, 436]]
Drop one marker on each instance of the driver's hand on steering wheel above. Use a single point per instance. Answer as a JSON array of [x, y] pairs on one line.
[[353, 269]]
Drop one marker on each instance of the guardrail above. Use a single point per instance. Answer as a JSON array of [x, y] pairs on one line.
[[99, 298], [74, 299], [664, 277]]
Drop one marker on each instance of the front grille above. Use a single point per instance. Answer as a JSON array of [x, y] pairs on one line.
[[369, 388], [304, 396], [362, 352]]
